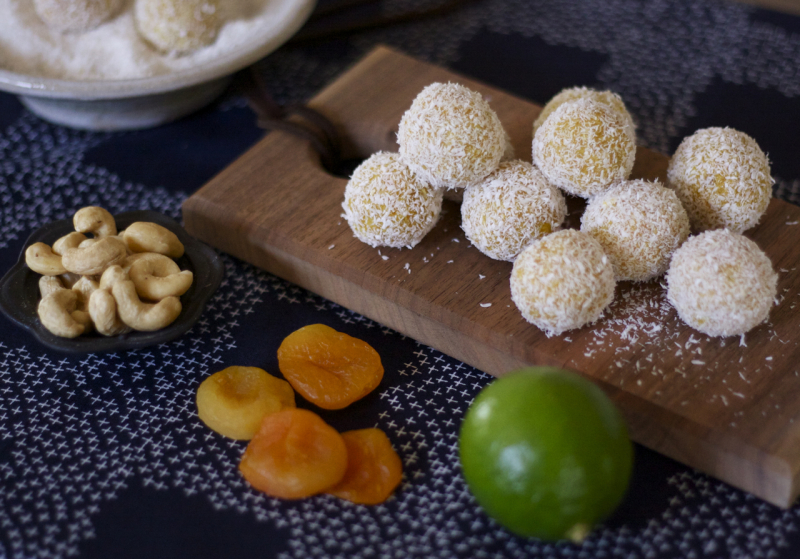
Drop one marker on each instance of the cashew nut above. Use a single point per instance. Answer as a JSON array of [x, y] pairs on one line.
[[48, 284], [57, 313], [87, 282], [112, 275], [93, 259], [136, 256], [144, 236], [121, 238], [84, 288], [103, 310], [87, 242], [144, 316], [70, 240], [94, 219], [83, 318], [156, 278], [41, 259], [69, 279]]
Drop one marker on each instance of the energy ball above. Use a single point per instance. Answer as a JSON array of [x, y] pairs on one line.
[[562, 281], [457, 194], [721, 283], [75, 15], [639, 224], [512, 207], [723, 179], [386, 204], [571, 94], [584, 146], [177, 26], [450, 136]]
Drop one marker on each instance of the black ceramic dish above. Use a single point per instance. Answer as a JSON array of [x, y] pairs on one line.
[[19, 290]]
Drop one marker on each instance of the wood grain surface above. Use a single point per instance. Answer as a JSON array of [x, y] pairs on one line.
[[728, 407], [788, 6]]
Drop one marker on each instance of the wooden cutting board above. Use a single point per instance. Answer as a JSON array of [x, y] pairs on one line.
[[788, 6], [728, 407]]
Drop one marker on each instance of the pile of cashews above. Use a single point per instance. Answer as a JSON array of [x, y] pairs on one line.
[[112, 282]]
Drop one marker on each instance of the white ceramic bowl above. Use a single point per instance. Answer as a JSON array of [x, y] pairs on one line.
[[117, 104]]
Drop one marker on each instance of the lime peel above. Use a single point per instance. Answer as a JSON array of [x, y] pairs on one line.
[[572, 458]]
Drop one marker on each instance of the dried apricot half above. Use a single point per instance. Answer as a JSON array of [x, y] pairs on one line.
[[294, 454], [373, 468], [233, 401], [329, 368]]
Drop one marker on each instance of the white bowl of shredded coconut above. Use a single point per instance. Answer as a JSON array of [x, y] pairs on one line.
[[109, 78]]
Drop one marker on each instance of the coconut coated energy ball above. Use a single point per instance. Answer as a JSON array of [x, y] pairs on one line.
[[177, 26], [721, 283], [562, 281], [723, 179], [386, 204], [75, 15], [450, 136], [639, 224], [571, 94], [457, 194], [584, 146], [512, 207]]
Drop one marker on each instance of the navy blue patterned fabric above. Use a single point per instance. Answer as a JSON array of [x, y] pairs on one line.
[[102, 456]]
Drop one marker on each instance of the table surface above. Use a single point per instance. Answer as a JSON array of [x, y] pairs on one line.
[[102, 455]]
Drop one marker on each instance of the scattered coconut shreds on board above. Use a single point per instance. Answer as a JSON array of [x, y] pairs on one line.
[[636, 214]]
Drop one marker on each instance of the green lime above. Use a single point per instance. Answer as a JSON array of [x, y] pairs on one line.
[[545, 453]]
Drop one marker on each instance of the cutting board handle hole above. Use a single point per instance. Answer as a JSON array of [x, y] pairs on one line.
[[344, 168]]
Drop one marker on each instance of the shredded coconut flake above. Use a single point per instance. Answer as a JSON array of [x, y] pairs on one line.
[[114, 50], [721, 284], [571, 94], [640, 225], [385, 204], [722, 178], [511, 208], [450, 136], [560, 281], [75, 15], [584, 146]]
